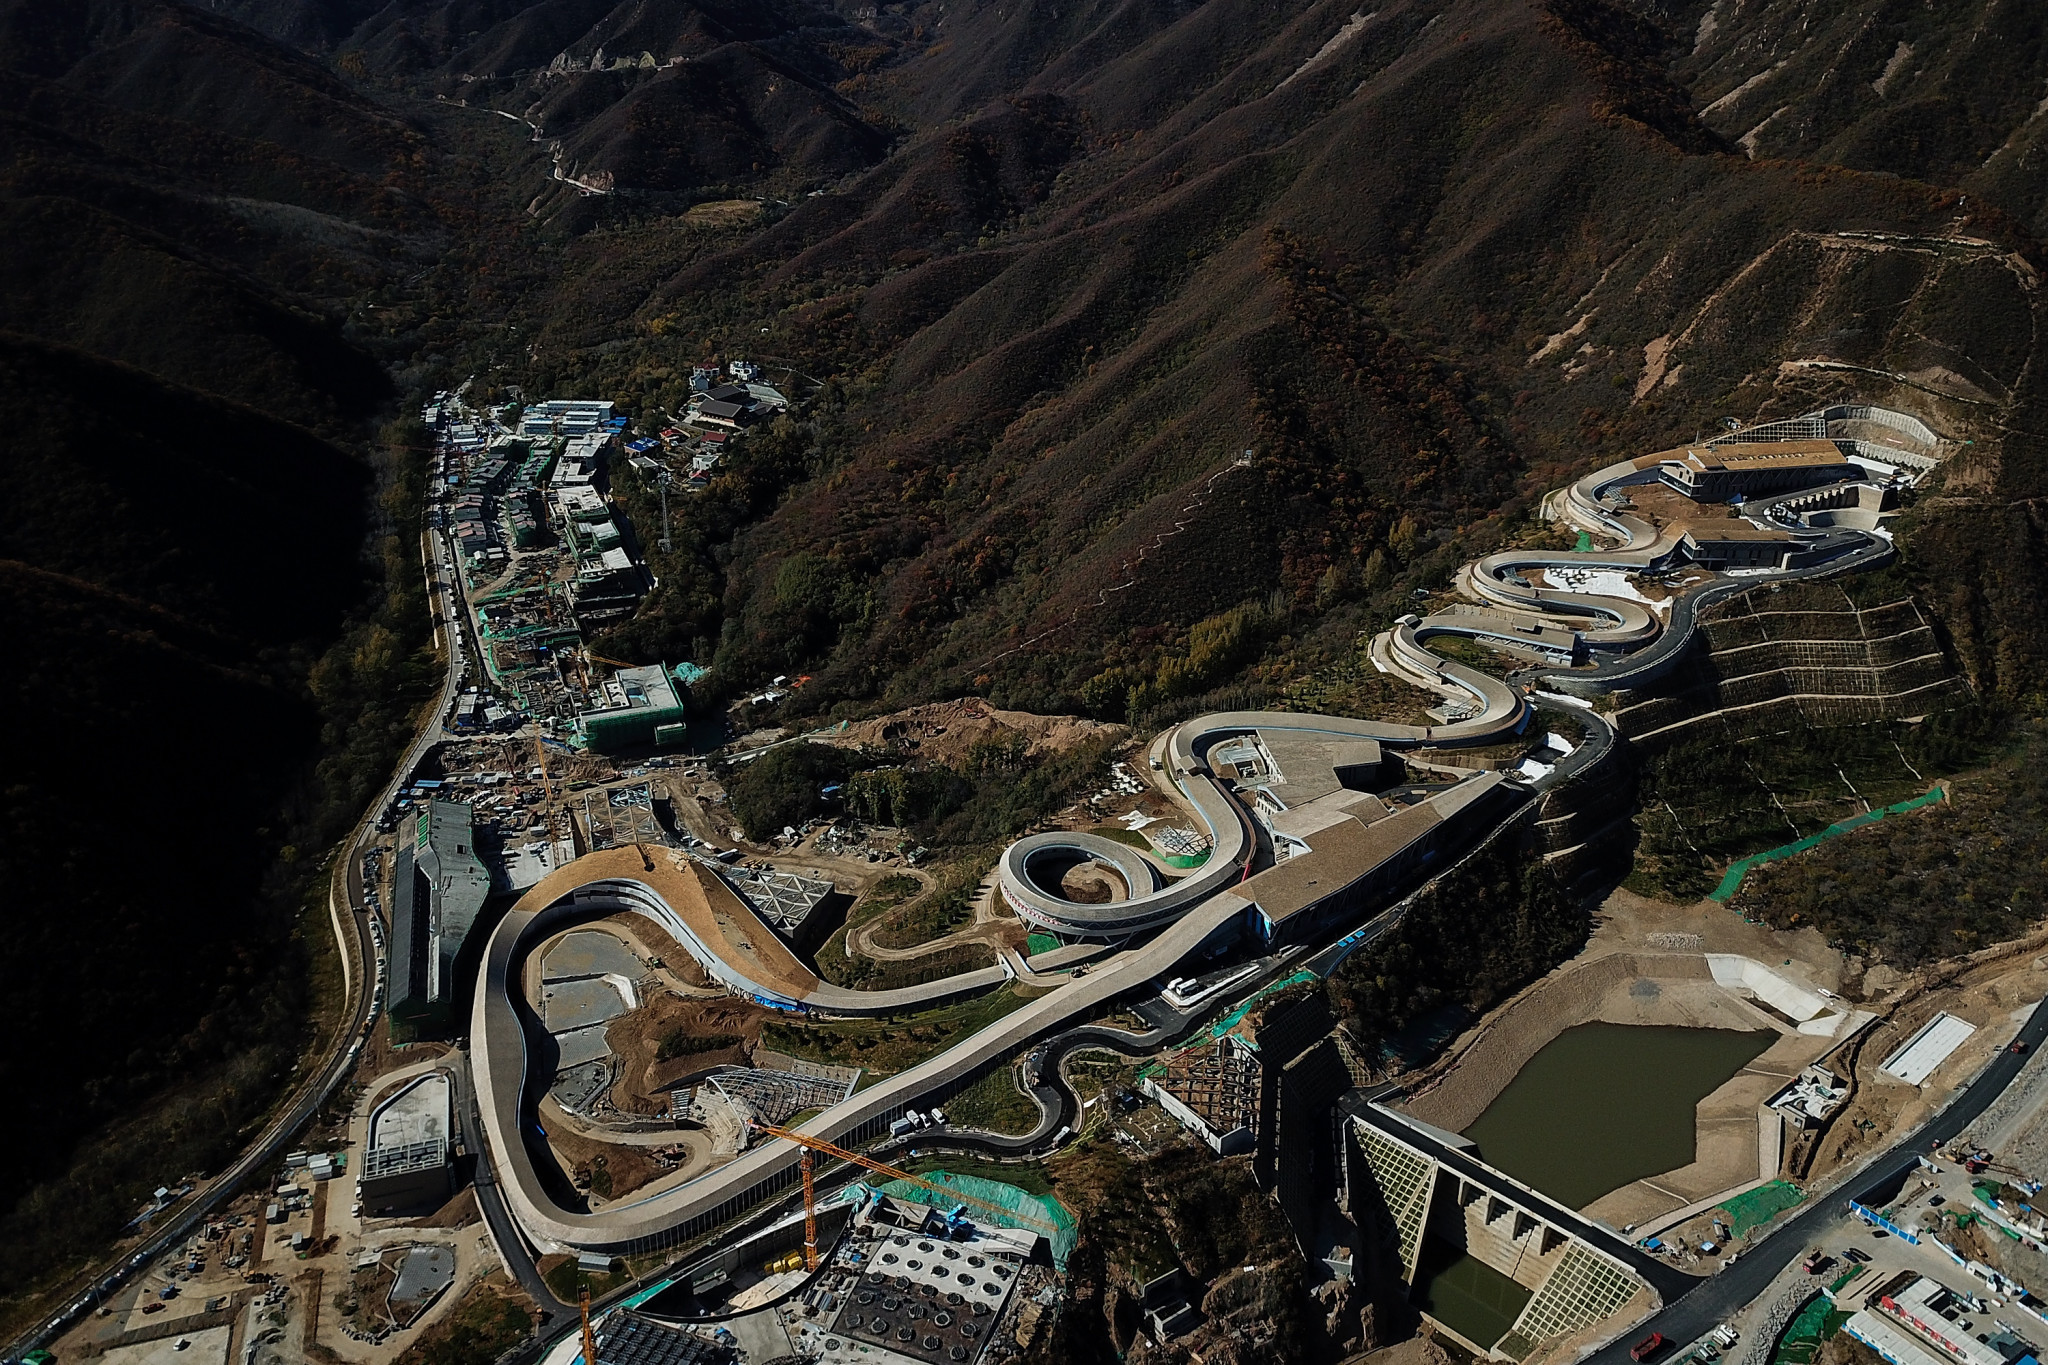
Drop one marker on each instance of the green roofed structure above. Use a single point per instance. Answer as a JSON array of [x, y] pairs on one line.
[[637, 708]]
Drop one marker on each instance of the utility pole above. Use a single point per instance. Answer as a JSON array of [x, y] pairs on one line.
[[662, 483]]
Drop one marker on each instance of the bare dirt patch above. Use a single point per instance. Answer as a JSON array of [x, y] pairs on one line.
[[459, 1212], [644, 1080], [723, 213], [948, 731], [608, 1170]]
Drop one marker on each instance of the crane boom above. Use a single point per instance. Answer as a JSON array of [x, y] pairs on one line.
[[816, 1144]]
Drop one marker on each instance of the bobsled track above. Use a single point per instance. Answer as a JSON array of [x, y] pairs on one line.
[[1578, 640]]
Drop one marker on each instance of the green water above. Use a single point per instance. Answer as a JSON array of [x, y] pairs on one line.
[[1465, 1294], [1605, 1104]]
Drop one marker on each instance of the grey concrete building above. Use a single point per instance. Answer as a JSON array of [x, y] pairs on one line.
[[405, 1163], [440, 888]]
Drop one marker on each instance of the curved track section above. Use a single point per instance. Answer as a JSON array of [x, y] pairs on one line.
[[504, 1033], [1185, 917], [1522, 612], [1182, 755]]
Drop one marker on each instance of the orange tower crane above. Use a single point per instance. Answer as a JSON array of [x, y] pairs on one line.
[[589, 1338], [547, 790], [815, 1144]]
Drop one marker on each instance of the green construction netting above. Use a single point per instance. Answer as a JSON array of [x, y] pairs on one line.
[[1585, 545], [1042, 1209], [1816, 1322], [1731, 881], [1760, 1205], [1236, 1016], [1039, 943]]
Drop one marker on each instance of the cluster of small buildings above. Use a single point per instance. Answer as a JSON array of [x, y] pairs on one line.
[[1266, 1083], [1840, 482], [721, 408], [543, 555], [1911, 1319], [546, 558]]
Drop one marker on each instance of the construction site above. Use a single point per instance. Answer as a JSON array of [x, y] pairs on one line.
[[1565, 1166], [539, 558]]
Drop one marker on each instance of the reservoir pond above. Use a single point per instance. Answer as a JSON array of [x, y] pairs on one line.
[[1606, 1104]]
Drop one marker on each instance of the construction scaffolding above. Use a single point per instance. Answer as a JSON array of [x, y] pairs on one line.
[[622, 815], [765, 1095], [1213, 1092]]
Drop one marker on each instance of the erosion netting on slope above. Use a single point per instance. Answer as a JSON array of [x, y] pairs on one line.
[[1731, 882]]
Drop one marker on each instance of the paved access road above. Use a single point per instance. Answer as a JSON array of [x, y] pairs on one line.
[[1718, 1296]]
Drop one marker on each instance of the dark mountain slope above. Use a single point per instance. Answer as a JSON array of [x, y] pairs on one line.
[[213, 650], [170, 564], [176, 62], [105, 282], [1949, 94], [1048, 273], [720, 118], [1343, 252], [661, 96], [187, 196]]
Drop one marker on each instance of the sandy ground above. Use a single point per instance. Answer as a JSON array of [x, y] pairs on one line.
[[635, 1038], [993, 925], [947, 731], [715, 915], [631, 1164]]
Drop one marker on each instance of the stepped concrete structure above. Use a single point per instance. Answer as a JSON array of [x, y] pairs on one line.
[[1411, 1185]]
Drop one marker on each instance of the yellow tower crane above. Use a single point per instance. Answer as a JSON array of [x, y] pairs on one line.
[[811, 1144], [589, 1337]]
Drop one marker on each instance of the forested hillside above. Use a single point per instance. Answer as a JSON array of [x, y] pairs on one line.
[[212, 655], [1416, 262]]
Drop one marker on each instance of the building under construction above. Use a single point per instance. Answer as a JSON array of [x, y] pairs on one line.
[[1213, 1092], [440, 888], [636, 708]]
